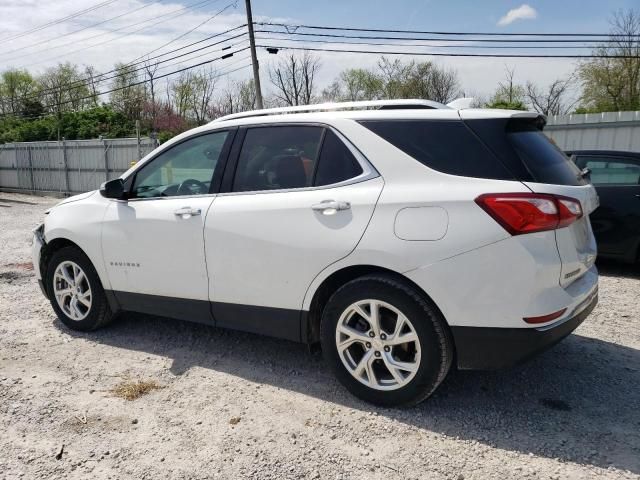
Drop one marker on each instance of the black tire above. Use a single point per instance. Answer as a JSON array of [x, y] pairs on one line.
[[99, 314], [432, 331]]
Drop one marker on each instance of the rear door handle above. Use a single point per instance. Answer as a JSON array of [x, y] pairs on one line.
[[187, 212], [330, 207]]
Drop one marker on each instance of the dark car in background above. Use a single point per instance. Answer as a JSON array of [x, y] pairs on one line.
[[616, 223]]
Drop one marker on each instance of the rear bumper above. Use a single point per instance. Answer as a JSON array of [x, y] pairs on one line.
[[480, 348]]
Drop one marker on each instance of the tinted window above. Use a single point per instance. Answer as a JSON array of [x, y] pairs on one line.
[[526, 151], [185, 169], [547, 163], [337, 163], [611, 170], [446, 146], [275, 158]]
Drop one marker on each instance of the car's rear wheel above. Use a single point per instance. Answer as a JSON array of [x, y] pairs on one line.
[[75, 291], [385, 341]]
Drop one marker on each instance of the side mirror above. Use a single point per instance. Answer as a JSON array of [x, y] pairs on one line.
[[113, 189]]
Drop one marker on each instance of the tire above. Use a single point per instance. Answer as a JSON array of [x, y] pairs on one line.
[[83, 317], [427, 354]]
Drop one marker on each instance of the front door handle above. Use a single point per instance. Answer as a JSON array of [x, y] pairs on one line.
[[330, 207], [187, 212]]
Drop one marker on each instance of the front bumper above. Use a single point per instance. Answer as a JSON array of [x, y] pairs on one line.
[[37, 244], [480, 348]]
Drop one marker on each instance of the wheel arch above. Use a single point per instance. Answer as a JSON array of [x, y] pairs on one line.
[[311, 327]]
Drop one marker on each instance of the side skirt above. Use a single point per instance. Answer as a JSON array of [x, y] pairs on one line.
[[283, 323]]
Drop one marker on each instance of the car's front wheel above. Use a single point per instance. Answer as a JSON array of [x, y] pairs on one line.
[[385, 342], [75, 291]]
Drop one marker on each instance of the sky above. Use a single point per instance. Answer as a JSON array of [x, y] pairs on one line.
[[157, 26]]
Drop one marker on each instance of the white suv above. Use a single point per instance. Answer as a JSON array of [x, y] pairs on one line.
[[403, 236]]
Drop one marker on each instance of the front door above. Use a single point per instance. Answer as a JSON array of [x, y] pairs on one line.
[[300, 200], [153, 243], [616, 223]]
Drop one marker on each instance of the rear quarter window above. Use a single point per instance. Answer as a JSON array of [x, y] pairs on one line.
[[446, 146]]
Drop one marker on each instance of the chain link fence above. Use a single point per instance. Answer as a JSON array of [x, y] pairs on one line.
[[69, 166]]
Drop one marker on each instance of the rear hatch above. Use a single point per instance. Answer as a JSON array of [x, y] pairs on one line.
[[540, 165]]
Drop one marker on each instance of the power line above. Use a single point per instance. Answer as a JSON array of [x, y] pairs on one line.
[[442, 54], [75, 31], [428, 39], [217, 75], [395, 44], [422, 32], [98, 94], [234, 4], [170, 15], [101, 77], [59, 20]]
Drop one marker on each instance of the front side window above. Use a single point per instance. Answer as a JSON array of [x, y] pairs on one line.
[[611, 170], [185, 169]]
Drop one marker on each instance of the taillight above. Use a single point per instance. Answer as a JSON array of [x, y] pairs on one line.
[[520, 213]]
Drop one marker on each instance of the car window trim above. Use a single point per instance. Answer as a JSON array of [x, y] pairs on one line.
[[216, 177], [368, 170]]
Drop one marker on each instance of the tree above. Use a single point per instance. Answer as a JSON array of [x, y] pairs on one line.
[[129, 95], [509, 95], [17, 90], [203, 86], [428, 81], [553, 100], [237, 97], [613, 84], [181, 93], [354, 84], [294, 79], [64, 89]]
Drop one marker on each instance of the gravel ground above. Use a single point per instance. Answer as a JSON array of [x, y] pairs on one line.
[[235, 405]]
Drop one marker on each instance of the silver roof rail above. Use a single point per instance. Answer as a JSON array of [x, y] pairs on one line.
[[329, 107]]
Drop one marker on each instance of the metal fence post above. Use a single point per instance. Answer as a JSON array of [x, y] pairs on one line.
[[66, 166], [106, 160], [33, 186]]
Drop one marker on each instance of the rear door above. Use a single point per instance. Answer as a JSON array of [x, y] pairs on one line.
[[616, 223], [298, 198]]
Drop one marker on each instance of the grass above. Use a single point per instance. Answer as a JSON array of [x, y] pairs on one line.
[[133, 389]]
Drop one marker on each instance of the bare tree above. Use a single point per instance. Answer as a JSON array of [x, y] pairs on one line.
[[237, 97], [150, 72], [294, 79], [202, 87], [554, 99], [92, 83], [181, 93], [611, 84]]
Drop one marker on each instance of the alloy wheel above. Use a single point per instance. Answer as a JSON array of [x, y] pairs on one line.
[[72, 290], [378, 344]]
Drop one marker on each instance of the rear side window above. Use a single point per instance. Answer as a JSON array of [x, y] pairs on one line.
[[446, 146], [274, 158], [336, 163], [611, 170]]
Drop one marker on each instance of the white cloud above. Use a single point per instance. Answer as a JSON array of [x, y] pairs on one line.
[[523, 12]]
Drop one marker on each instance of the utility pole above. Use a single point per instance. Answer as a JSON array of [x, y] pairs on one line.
[[254, 58]]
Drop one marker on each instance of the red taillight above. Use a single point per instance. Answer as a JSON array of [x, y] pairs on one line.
[[520, 213]]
